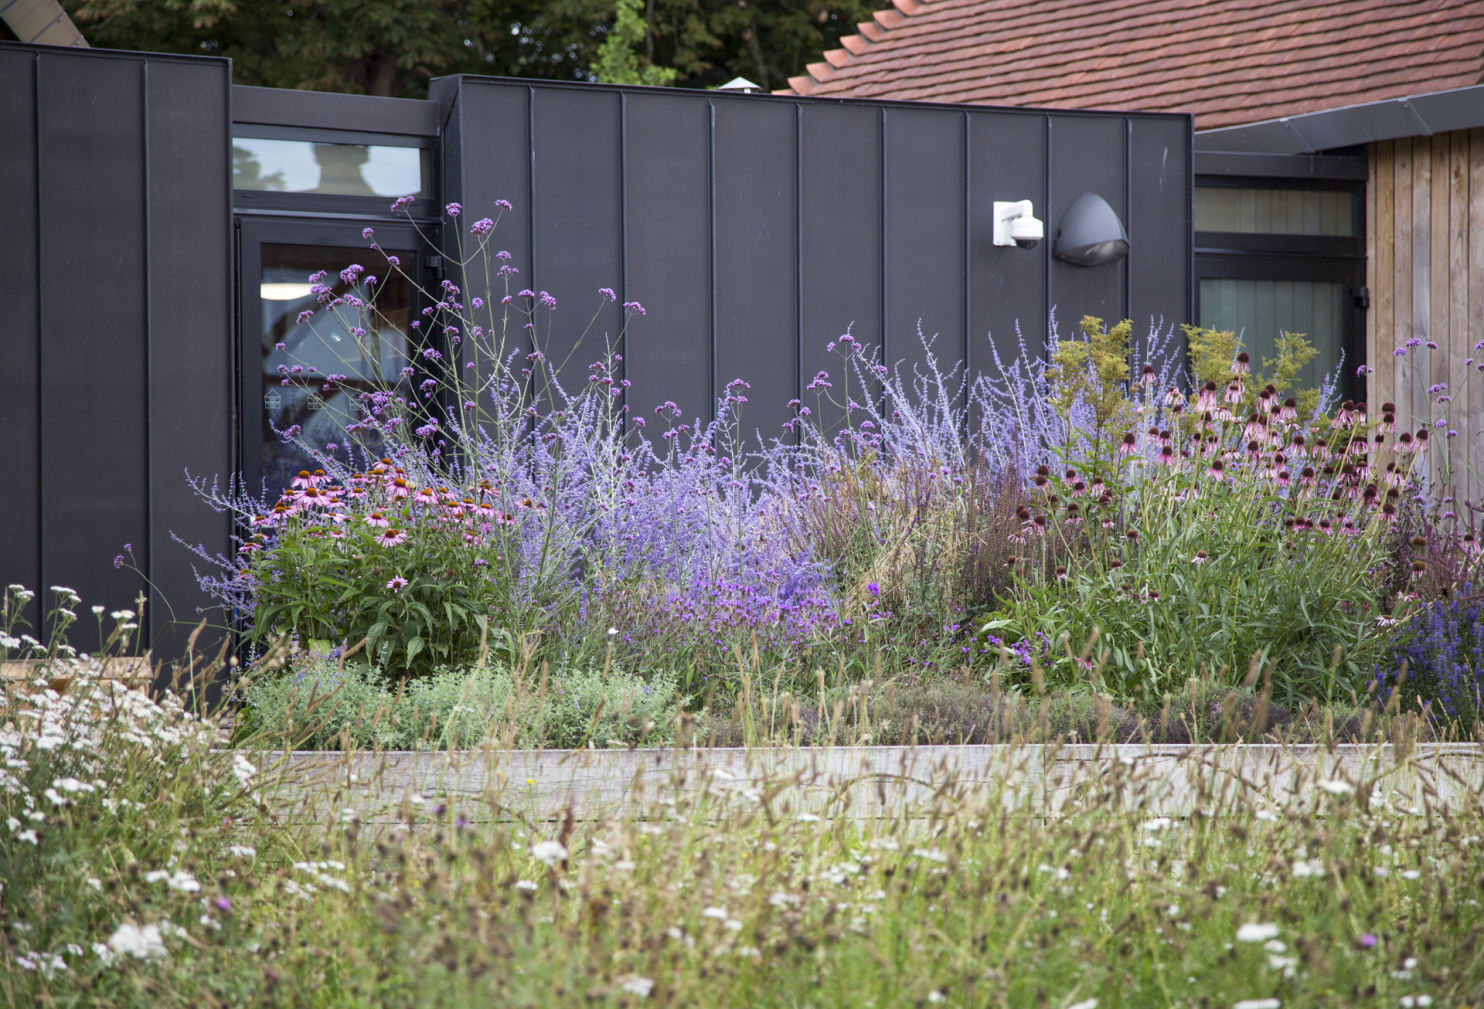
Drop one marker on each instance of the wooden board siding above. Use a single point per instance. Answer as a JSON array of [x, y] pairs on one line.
[[1425, 270]]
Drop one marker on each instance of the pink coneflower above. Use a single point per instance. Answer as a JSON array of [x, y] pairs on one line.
[[1200, 557], [302, 481], [1130, 444], [1404, 444], [391, 537], [397, 583], [425, 495], [1283, 478], [1346, 416], [1174, 398], [1208, 398], [1289, 410], [1242, 365], [1147, 376], [1388, 422], [378, 520], [399, 488], [1217, 470], [1421, 439], [1166, 454], [1234, 392]]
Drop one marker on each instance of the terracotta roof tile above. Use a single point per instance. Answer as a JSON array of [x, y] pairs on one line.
[[1225, 61]]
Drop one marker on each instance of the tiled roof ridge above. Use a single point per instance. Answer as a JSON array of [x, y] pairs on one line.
[[1269, 54], [1139, 28], [1215, 64]]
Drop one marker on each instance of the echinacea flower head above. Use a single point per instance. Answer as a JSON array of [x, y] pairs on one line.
[[391, 537], [397, 583]]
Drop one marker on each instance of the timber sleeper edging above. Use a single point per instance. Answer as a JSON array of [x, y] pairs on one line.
[[867, 781]]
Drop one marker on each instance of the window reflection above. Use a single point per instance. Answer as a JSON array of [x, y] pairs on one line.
[[298, 358], [304, 166], [1261, 309]]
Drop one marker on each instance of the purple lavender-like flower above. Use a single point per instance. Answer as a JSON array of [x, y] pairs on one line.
[[453, 209], [483, 226]]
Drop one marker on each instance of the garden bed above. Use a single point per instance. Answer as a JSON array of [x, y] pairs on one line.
[[868, 781]]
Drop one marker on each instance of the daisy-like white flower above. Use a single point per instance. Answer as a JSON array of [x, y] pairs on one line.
[[1255, 931], [550, 852]]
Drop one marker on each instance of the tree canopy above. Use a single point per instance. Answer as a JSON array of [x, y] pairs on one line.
[[393, 47]]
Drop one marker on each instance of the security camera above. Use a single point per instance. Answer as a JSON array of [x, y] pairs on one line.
[[1027, 231], [1016, 224]]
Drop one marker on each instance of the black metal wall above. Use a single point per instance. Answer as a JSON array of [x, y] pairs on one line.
[[755, 229], [115, 266]]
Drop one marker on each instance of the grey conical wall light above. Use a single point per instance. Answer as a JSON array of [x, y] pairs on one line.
[[1090, 233]]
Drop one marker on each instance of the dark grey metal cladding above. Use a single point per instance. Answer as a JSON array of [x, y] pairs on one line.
[[1007, 285], [20, 323], [757, 228], [321, 110], [1088, 154], [841, 242], [117, 187], [756, 245], [191, 415], [577, 248], [1159, 225], [95, 345], [487, 157], [925, 209], [668, 260]]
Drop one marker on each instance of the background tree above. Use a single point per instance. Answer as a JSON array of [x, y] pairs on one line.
[[619, 58], [393, 47]]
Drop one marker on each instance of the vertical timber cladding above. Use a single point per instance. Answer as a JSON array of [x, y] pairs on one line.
[[117, 181], [1425, 201], [756, 229]]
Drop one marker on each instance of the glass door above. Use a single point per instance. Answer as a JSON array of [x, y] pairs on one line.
[[305, 365]]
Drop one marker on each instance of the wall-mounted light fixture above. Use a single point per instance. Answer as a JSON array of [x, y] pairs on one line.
[[1016, 224], [1090, 233]]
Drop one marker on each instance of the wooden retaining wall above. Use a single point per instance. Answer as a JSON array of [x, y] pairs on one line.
[[868, 781], [1425, 271]]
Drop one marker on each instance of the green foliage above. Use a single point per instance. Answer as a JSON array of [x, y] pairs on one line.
[[1213, 353], [1093, 372], [328, 704], [417, 608], [394, 47], [619, 61], [1197, 576]]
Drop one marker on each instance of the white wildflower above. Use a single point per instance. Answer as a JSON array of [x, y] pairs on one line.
[[1090, 1003], [525, 884], [636, 985], [1257, 932], [550, 852], [1257, 1003], [242, 851], [1334, 786], [719, 913], [131, 940], [931, 854]]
